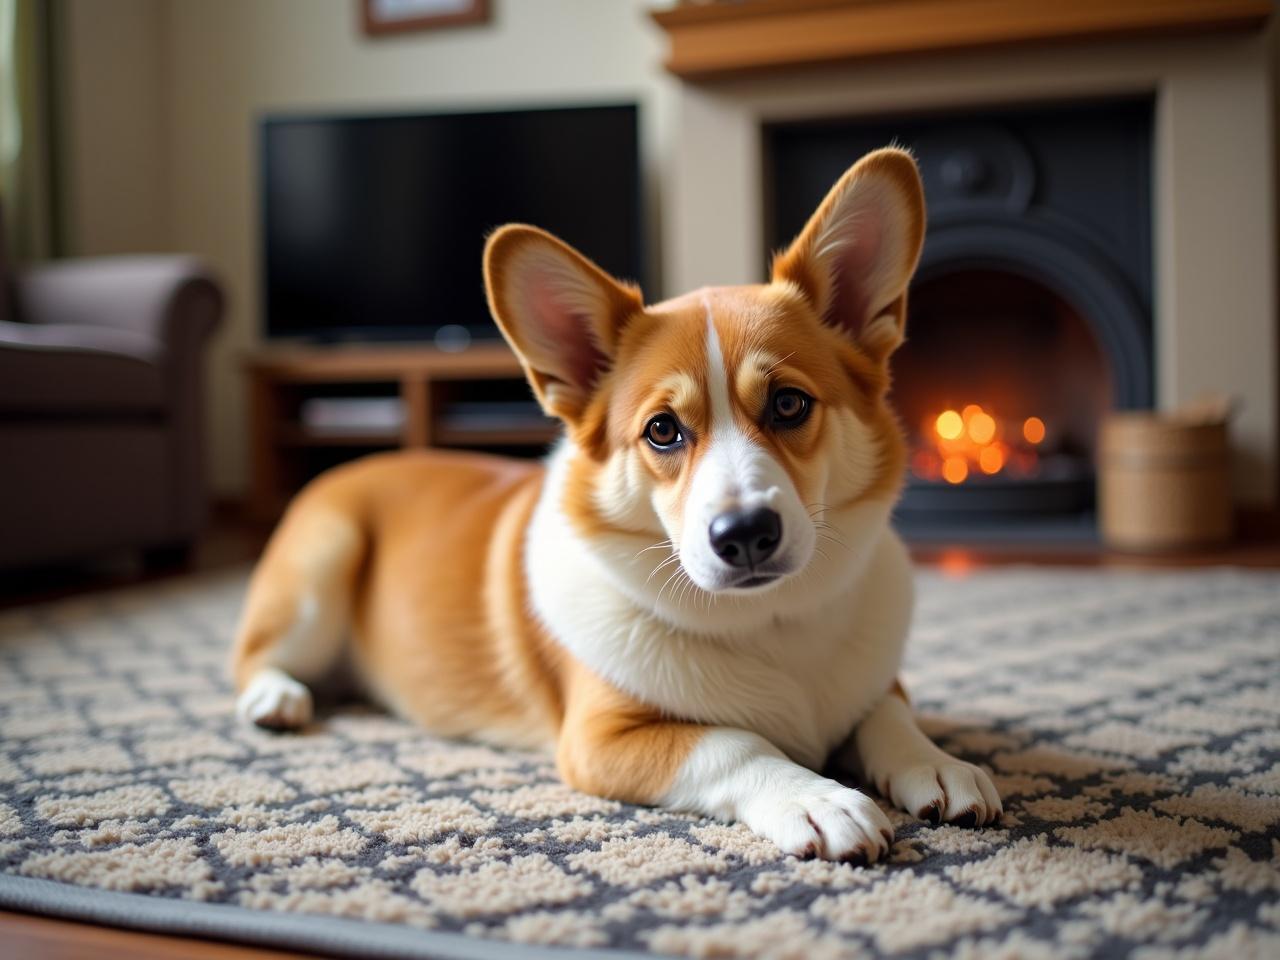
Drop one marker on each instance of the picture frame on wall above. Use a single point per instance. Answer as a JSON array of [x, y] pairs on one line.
[[382, 17]]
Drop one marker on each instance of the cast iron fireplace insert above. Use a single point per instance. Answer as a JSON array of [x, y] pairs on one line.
[[1030, 315]]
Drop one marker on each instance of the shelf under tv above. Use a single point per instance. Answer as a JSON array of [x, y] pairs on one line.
[[430, 383]]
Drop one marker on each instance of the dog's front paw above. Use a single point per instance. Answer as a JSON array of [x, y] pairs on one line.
[[944, 791], [275, 700], [822, 819]]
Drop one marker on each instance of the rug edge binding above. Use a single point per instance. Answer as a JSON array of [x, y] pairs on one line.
[[284, 931]]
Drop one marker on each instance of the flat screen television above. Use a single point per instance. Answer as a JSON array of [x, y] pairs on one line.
[[373, 226]]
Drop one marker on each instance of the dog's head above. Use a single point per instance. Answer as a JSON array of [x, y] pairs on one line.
[[740, 423]]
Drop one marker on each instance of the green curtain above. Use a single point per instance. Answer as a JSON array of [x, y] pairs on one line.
[[26, 100]]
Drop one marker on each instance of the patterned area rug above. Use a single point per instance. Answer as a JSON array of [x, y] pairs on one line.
[[1132, 722]]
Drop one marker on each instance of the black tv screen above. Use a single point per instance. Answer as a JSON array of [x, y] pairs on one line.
[[374, 226]]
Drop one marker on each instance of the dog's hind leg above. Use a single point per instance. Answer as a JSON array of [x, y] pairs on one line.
[[296, 616]]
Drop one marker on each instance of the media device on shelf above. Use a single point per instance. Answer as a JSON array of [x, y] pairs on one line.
[[373, 226]]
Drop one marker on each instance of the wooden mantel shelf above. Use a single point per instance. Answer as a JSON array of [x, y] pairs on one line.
[[723, 39]]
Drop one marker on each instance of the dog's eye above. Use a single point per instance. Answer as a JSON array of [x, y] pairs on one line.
[[790, 407], [663, 431]]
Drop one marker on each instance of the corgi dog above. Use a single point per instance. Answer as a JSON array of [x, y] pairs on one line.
[[698, 601]]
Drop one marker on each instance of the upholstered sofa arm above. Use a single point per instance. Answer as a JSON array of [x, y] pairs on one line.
[[171, 299], [168, 300]]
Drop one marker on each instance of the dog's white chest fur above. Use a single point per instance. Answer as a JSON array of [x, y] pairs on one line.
[[801, 680]]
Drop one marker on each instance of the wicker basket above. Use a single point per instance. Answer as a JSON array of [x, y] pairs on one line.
[[1164, 482]]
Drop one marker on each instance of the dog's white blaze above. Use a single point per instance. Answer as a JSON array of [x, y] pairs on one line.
[[736, 473], [717, 376]]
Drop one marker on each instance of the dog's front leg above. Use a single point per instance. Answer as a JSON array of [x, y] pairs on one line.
[[737, 775], [906, 766], [616, 748]]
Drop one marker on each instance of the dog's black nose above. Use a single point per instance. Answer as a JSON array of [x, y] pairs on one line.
[[745, 538]]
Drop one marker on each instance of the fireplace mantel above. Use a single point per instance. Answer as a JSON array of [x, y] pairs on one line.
[[724, 39]]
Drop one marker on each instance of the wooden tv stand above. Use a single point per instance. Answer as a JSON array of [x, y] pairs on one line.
[[285, 453]]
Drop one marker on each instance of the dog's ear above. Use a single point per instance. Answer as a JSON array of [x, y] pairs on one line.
[[857, 253], [561, 313]]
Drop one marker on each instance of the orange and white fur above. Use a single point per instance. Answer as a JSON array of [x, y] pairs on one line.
[[698, 599]]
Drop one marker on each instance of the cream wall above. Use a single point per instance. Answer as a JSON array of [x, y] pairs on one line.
[[222, 64], [113, 130]]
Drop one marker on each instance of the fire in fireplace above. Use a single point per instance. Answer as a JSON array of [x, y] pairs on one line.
[[957, 446], [1000, 386]]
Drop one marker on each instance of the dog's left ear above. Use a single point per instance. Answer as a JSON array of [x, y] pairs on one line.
[[561, 313], [856, 255]]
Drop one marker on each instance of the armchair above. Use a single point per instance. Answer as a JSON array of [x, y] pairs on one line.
[[101, 413]]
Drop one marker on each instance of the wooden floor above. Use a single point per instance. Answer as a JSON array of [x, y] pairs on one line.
[[232, 542], [24, 937], [958, 558]]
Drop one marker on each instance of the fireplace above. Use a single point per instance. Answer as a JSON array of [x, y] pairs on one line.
[[1030, 315]]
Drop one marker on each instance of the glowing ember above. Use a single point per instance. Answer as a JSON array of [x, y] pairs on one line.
[[949, 425], [1033, 429], [955, 469], [957, 445], [991, 460], [982, 428]]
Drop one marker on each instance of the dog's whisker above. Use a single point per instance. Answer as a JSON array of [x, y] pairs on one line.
[[830, 538], [831, 530], [691, 590], [696, 594], [682, 589], [679, 571], [816, 550], [665, 544], [666, 560], [648, 549], [665, 563]]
